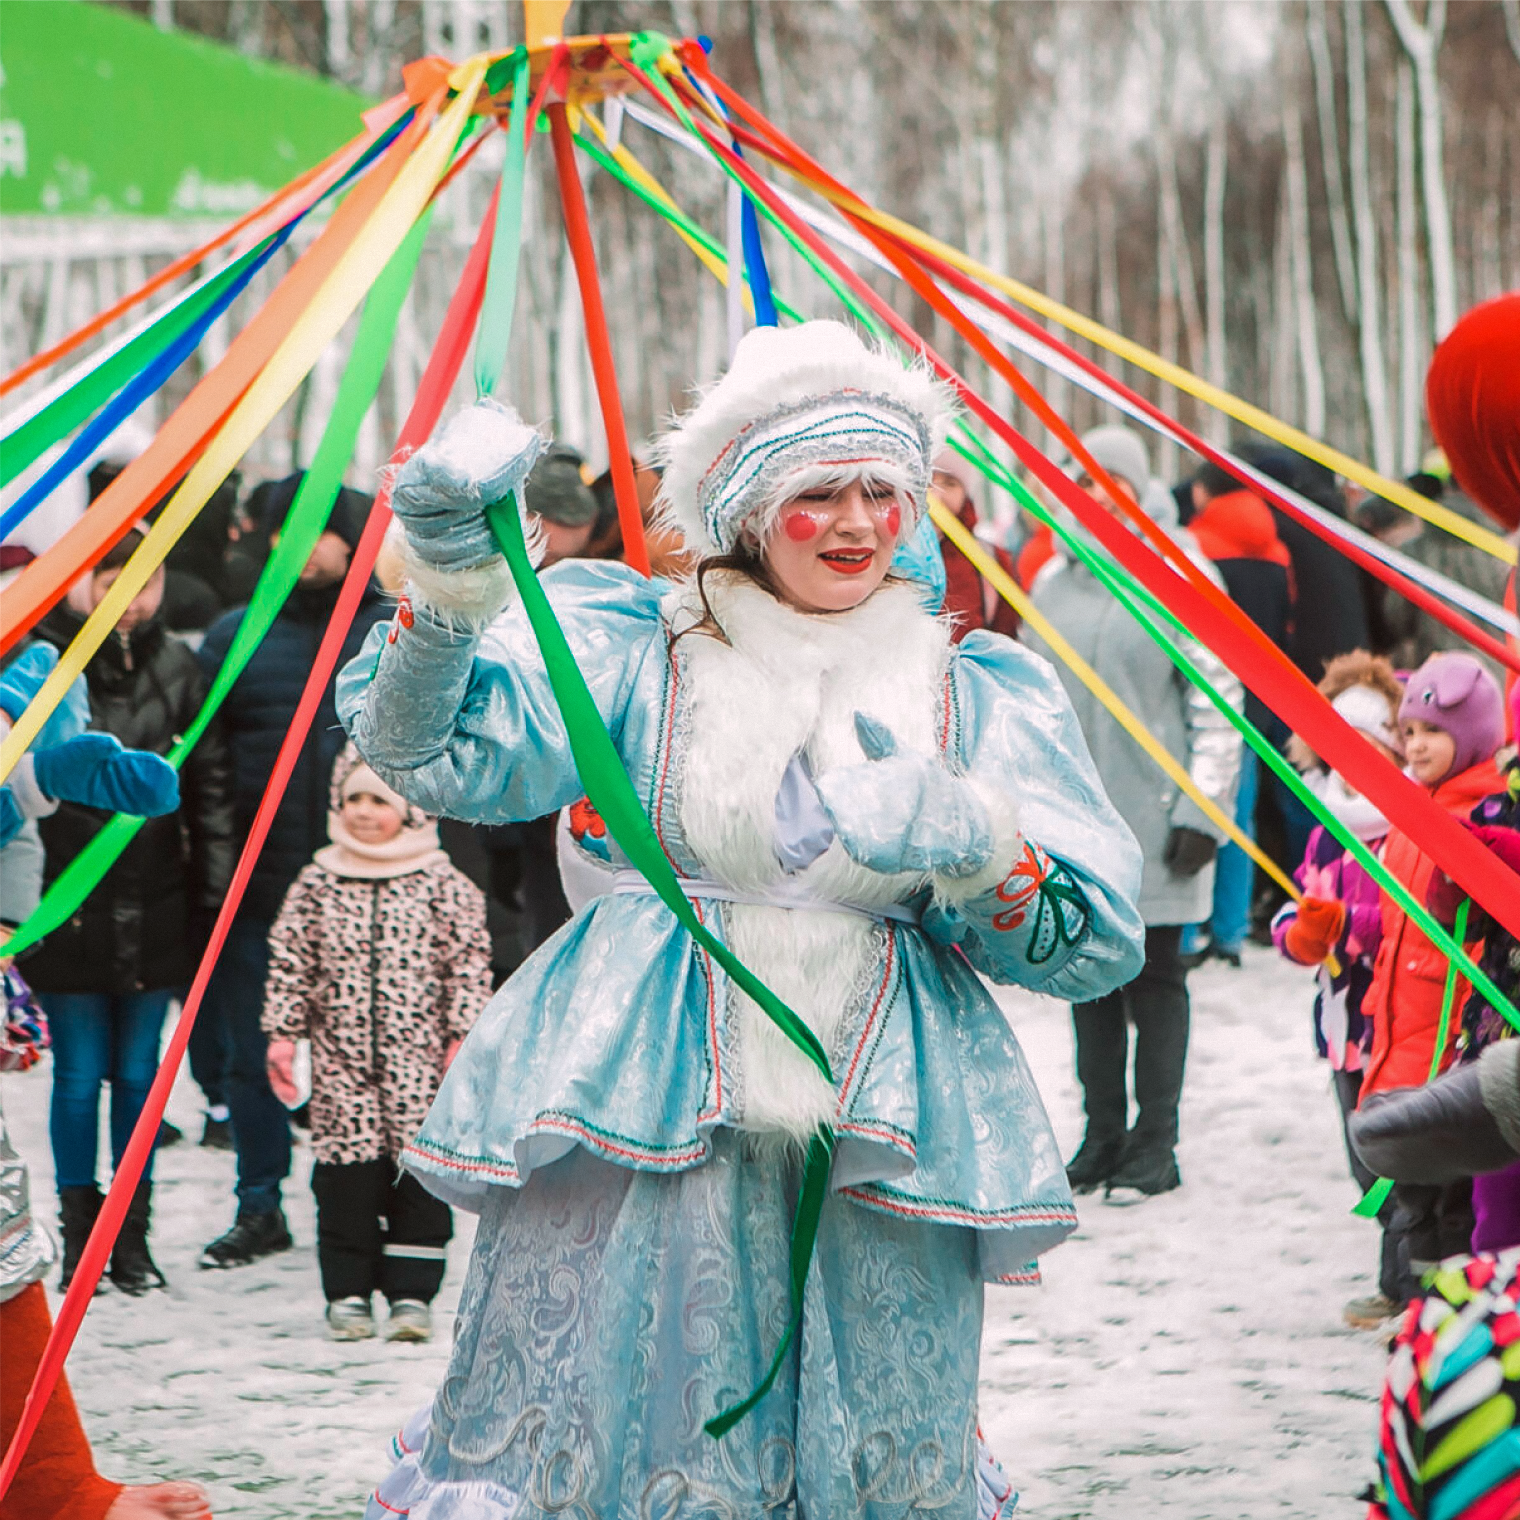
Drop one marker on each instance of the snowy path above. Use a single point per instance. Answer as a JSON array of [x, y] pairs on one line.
[[1183, 1359]]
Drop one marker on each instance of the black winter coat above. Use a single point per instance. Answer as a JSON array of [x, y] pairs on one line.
[[256, 715], [142, 929]]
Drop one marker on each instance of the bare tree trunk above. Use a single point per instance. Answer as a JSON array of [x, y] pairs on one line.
[[1317, 30], [1511, 10], [1370, 330], [161, 14], [1110, 310], [1167, 334], [1213, 268], [245, 26], [1411, 356], [1180, 253], [339, 44], [1423, 44], [1488, 255], [1281, 388], [382, 20], [1054, 243], [1302, 256]]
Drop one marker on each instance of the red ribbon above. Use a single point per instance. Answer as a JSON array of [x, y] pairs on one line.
[[1263, 667], [432, 394]]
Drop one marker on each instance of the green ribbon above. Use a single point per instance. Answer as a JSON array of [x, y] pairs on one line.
[[495, 330], [307, 521], [67, 411], [612, 794], [601, 768], [1377, 1195], [1130, 596]]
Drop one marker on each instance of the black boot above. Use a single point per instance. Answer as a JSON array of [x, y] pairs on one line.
[[1096, 1161], [133, 1270], [251, 1237], [77, 1211]]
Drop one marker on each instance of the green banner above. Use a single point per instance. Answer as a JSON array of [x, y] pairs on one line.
[[101, 114]]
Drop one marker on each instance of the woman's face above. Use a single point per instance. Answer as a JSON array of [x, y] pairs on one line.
[[830, 548], [1428, 752]]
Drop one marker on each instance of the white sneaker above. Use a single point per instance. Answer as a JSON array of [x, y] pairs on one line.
[[350, 1319], [411, 1320]]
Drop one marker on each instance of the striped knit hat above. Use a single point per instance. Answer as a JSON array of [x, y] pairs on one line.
[[799, 407]]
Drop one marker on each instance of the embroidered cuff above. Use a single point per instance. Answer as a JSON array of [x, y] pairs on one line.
[[467, 600]]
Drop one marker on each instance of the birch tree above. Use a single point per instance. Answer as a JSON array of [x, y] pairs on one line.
[[1317, 33], [1301, 257], [1369, 302], [1214, 266], [1423, 44], [1411, 349]]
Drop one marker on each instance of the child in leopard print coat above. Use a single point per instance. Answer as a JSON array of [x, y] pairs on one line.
[[380, 958]]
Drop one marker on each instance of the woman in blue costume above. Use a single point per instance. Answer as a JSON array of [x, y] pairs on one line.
[[868, 816]]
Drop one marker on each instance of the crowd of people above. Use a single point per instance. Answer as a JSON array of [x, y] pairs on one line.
[[400, 883]]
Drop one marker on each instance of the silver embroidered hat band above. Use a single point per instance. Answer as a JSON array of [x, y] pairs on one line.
[[847, 428]]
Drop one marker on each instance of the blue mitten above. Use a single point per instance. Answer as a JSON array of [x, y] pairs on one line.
[[441, 493], [905, 811], [21, 681], [95, 771]]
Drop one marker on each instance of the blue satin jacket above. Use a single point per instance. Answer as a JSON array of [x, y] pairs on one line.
[[620, 1035]]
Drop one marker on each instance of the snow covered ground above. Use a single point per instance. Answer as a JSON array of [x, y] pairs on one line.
[[1184, 1358]]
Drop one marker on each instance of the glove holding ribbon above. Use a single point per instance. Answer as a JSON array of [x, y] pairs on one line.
[[68, 764]]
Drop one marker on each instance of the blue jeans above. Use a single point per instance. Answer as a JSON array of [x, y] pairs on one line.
[[97, 1038], [260, 1124], [1235, 872]]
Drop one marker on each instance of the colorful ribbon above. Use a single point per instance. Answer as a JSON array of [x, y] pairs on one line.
[[1211, 395], [304, 524], [344, 288], [432, 392]]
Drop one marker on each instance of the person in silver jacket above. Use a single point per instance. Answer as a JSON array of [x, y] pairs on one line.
[[1177, 839]]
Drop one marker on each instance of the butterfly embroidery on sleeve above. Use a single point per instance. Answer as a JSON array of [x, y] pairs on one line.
[[1042, 886]]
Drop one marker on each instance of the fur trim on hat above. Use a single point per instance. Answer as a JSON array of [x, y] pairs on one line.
[[806, 370]]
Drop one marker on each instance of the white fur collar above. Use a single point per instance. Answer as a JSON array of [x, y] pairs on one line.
[[787, 681]]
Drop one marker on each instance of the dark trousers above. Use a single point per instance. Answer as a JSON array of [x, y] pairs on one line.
[[1156, 1003], [260, 1123], [1392, 1276], [380, 1228], [208, 1051], [1430, 1223]]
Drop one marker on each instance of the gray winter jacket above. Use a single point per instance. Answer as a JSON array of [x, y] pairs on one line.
[[1174, 710]]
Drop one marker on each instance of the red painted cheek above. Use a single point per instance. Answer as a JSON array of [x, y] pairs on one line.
[[894, 519], [800, 527]]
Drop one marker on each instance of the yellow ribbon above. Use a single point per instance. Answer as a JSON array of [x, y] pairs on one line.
[[290, 363], [638, 173], [1184, 380], [1012, 593]]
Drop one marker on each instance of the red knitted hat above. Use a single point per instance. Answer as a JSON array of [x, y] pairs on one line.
[[1472, 396]]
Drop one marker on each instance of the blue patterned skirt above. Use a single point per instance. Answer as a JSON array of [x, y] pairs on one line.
[[608, 1313]]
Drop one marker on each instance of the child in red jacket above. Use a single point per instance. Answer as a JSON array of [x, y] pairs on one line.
[[1451, 721]]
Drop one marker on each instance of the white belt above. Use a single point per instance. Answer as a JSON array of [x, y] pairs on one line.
[[627, 882]]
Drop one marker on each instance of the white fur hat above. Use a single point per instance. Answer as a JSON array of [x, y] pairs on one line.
[[809, 401]]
